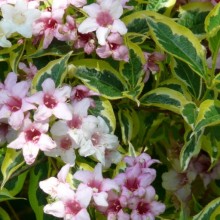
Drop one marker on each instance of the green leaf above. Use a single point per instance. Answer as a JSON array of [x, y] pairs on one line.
[[183, 72], [191, 148], [36, 196], [209, 114], [216, 82], [15, 184], [4, 215], [57, 48], [211, 143], [133, 72], [179, 42], [56, 70], [176, 85], [189, 113], [126, 123], [104, 109], [193, 14], [5, 195], [16, 52], [164, 98], [99, 76], [212, 24], [137, 27], [156, 5], [13, 160], [210, 211]]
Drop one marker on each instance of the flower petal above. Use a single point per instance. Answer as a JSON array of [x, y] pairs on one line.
[[102, 34], [56, 209], [88, 25], [92, 10]]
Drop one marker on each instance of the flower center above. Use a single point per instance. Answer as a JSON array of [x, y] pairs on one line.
[[19, 18], [66, 143], [114, 206], [72, 207], [49, 101], [104, 19], [51, 23], [95, 138], [143, 207], [75, 122], [132, 184], [32, 135], [95, 185], [14, 104]]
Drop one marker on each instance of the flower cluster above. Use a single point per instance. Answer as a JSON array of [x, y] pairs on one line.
[[129, 195], [50, 21]]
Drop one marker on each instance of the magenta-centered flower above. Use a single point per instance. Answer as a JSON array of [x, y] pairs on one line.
[[52, 101], [31, 139], [96, 182], [103, 18]]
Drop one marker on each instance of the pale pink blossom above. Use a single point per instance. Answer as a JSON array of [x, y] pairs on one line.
[[31, 139], [103, 18], [14, 100], [46, 25], [66, 32], [96, 182], [52, 185], [30, 71], [114, 47], [19, 18], [81, 92], [85, 41], [70, 205], [78, 3], [52, 101], [94, 138], [147, 207]]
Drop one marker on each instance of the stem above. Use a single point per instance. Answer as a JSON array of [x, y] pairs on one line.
[[12, 210]]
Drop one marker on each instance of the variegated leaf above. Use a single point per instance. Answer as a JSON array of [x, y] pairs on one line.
[[191, 147], [179, 42], [190, 113], [210, 211], [183, 72], [209, 114], [56, 70], [212, 27], [193, 14], [99, 76], [165, 98], [13, 160]]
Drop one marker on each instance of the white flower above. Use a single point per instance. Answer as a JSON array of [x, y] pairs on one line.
[[19, 18], [4, 33], [103, 18]]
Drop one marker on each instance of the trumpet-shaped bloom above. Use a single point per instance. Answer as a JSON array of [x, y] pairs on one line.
[[19, 18], [96, 182], [103, 18], [31, 139], [52, 101], [14, 100]]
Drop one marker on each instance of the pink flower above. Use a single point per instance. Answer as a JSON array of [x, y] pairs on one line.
[[78, 3], [14, 100], [96, 182], [85, 41], [67, 204], [103, 18], [52, 101], [52, 185], [30, 71], [147, 207], [114, 48], [94, 138], [31, 139], [81, 92], [71, 205]]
